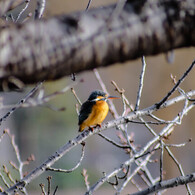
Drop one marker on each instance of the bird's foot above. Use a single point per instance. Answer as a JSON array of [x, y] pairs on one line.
[[99, 125], [91, 129]]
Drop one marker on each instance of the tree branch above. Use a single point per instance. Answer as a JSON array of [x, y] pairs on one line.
[[86, 134], [56, 47], [168, 184]]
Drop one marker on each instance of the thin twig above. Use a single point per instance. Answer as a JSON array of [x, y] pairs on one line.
[[113, 183], [41, 100], [110, 103], [55, 190], [169, 152], [4, 180], [178, 145], [140, 83], [74, 168], [14, 166], [39, 9], [176, 85], [117, 10], [49, 185], [167, 130], [88, 5], [179, 167], [136, 184], [140, 166], [145, 169], [126, 173], [158, 119], [85, 176], [174, 182], [150, 122], [23, 10], [1, 137], [7, 172], [15, 147], [43, 189], [161, 160], [76, 96], [113, 142], [29, 94], [86, 134]]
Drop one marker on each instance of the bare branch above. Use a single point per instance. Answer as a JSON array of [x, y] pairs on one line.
[[126, 173], [23, 10], [49, 185], [176, 85], [74, 168], [86, 134], [41, 99], [110, 103], [15, 147], [39, 9], [113, 142], [75, 95], [164, 132], [43, 189], [141, 165], [178, 145], [4, 180], [28, 95], [1, 137], [179, 167], [55, 190], [168, 184], [85, 176], [6, 5], [140, 83], [7, 172], [88, 5], [113, 183], [161, 160]]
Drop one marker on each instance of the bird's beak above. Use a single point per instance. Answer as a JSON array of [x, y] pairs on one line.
[[113, 97]]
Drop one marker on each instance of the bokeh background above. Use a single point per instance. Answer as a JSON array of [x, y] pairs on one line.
[[41, 131]]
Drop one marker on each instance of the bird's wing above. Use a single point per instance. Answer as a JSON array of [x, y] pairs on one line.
[[85, 111]]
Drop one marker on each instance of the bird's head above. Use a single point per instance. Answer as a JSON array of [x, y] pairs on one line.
[[99, 96]]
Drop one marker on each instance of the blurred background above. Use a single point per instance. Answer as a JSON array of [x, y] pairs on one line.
[[41, 131]]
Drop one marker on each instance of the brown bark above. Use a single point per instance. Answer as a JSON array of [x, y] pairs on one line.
[[58, 46]]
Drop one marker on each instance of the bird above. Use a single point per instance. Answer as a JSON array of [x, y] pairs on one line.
[[94, 110]]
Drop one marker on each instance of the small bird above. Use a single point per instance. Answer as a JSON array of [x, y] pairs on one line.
[[94, 110]]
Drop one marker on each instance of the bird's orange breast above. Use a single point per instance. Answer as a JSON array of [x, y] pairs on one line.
[[98, 114]]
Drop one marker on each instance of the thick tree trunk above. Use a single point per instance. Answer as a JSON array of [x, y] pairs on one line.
[[56, 47]]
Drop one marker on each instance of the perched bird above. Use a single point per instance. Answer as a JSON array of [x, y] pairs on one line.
[[94, 110]]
